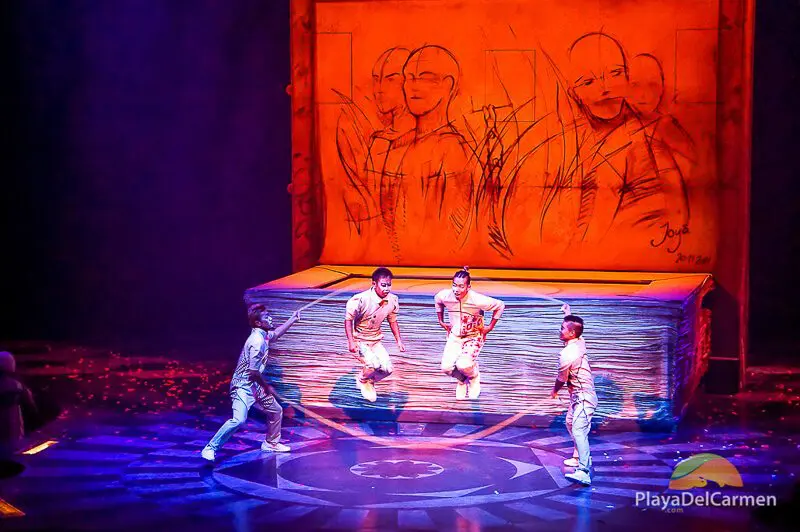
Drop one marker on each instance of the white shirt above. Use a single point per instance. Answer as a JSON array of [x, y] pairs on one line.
[[253, 356], [573, 369], [367, 311], [466, 315]]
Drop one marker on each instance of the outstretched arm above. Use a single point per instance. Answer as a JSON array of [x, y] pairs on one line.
[[285, 327]]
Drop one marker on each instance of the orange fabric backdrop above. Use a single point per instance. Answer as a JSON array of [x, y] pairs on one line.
[[550, 134]]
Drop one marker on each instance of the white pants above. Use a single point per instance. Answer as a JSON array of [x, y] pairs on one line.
[[579, 423], [377, 364], [460, 357], [243, 398]]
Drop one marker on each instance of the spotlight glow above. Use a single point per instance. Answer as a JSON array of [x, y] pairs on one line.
[[41, 447], [9, 510]]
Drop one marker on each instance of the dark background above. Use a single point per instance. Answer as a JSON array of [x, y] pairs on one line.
[[146, 148]]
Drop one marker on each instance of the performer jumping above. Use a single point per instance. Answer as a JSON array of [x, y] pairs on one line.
[[364, 314], [466, 332], [574, 371]]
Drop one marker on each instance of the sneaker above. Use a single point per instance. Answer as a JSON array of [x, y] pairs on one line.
[[475, 387], [360, 384], [461, 390], [368, 391], [579, 476], [275, 447], [208, 453], [571, 462]]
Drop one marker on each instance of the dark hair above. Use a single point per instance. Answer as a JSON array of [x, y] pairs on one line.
[[380, 273], [577, 324], [463, 272], [255, 312]]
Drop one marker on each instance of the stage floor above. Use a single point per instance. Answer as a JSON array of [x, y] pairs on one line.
[[128, 442]]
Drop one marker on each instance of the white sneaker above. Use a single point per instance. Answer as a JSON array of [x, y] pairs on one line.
[[369, 392], [367, 389], [475, 387], [208, 453], [579, 476], [275, 447], [571, 462], [461, 390]]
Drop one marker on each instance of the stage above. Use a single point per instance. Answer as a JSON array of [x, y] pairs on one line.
[[647, 337], [120, 463], [600, 161]]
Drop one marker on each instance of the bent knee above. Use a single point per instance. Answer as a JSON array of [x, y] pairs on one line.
[[466, 367]]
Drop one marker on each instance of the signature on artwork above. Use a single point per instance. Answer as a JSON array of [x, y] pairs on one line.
[[699, 260], [671, 237]]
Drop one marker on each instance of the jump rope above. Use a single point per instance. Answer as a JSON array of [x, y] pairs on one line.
[[440, 443]]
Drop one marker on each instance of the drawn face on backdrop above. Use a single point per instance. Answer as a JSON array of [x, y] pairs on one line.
[[599, 75], [646, 89], [431, 79], [387, 81]]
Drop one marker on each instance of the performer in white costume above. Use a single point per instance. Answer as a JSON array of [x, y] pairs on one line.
[[466, 332], [362, 324], [574, 371], [249, 386]]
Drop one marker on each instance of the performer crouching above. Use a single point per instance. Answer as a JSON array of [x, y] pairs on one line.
[[249, 386]]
